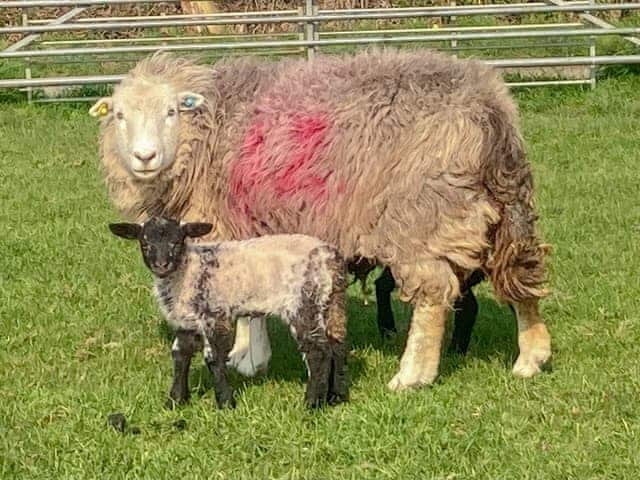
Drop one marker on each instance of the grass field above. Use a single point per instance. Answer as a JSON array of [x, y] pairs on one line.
[[81, 337]]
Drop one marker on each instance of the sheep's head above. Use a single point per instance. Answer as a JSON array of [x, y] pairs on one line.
[[161, 241], [146, 116]]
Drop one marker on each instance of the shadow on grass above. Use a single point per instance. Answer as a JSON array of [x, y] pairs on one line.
[[494, 336]]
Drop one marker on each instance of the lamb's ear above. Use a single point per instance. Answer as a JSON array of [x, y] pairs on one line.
[[102, 107], [196, 229], [189, 101], [130, 231]]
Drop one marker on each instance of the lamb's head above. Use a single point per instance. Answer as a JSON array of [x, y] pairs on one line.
[[146, 113], [161, 241]]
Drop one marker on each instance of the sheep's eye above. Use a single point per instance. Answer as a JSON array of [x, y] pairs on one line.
[[119, 115], [171, 112]]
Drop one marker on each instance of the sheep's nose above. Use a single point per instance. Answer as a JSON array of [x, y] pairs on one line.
[[145, 156]]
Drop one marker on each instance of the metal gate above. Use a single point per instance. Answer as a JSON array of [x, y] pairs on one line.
[[67, 51]]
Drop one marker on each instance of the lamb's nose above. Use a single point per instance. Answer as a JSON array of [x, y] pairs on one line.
[[145, 156]]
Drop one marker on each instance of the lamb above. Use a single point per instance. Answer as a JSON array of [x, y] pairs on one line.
[[202, 287], [410, 159]]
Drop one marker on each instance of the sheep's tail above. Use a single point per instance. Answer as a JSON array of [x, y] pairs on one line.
[[516, 262]]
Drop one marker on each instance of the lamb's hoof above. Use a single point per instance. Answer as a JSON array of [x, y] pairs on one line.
[[173, 403], [315, 403], [337, 398], [241, 362], [229, 404], [411, 380], [225, 400], [531, 363]]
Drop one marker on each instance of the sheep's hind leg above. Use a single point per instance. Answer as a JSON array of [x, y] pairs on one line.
[[384, 286], [533, 339], [251, 351], [466, 312], [185, 345], [217, 344]]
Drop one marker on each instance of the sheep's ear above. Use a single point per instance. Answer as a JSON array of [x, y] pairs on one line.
[[102, 107], [189, 101], [195, 229], [130, 231]]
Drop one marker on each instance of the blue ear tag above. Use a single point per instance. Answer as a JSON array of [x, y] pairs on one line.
[[189, 102]]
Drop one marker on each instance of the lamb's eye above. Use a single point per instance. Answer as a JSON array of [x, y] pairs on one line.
[[171, 112], [119, 115]]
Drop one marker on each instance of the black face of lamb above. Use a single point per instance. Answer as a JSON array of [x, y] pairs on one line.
[[162, 245]]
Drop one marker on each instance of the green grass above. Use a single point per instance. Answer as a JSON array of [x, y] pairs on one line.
[[81, 337]]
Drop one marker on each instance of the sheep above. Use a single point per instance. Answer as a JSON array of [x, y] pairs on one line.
[[202, 287], [410, 159]]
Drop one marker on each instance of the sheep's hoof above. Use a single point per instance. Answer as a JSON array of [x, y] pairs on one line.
[[411, 381], [388, 334], [531, 363]]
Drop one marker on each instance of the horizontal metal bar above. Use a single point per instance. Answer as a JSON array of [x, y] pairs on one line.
[[74, 3], [563, 61], [543, 83], [337, 16], [482, 28], [319, 43], [497, 28], [60, 81], [502, 63], [179, 16]]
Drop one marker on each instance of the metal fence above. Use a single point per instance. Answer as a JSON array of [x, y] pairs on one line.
[[66, 51]]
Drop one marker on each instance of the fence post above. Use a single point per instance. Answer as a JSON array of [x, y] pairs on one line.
[[27, 69], [310, 9], [593, 69], [452, 19]]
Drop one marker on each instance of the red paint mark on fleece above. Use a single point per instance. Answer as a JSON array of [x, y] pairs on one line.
[[280, 164]]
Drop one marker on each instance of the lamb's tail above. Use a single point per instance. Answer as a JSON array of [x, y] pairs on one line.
[[516, 262]]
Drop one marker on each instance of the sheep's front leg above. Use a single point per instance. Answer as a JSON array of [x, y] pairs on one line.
[[533, 339], [421, 357], [185, 345], [217, 345]]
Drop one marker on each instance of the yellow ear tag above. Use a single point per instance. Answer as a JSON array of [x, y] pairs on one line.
[[435, 26], [103, 110]]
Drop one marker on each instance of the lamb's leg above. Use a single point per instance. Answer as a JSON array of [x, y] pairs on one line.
[[318, 360], [251, 351], [466, 312], [185, 345], [533, 339], [216, 350], [384, 286], [339, 379]]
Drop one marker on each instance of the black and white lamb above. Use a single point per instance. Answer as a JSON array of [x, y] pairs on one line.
[[203, 287]]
